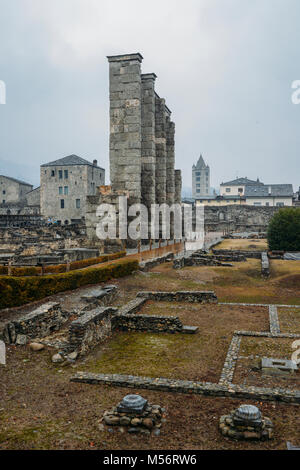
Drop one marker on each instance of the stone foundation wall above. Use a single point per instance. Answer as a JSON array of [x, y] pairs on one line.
[[181, 296], [90, 329], [237, 253], [41, 322], [151, 263], [153, 324]]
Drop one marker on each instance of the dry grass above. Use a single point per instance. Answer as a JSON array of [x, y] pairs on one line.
[[41, 409], [197, 357], [289, 320], [243, 244], [253, 349]]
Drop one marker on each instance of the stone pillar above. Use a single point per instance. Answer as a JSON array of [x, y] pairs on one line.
[[126, 123], [161, 151], [170, 167], [170, 164], [178, 186], [148, 140]]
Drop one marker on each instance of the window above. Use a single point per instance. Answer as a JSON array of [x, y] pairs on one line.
[[240, 190], [280, 204], [267, 203], [3, 202], [60, 174], [198, 191], [53, 173], [66, 174], [62, 203], [228, 190], [60, 190], [257, 204], [77, 203], [3, 192], [198, 173], [66, 190], [198, 178]]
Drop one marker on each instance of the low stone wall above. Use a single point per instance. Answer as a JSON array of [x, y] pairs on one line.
[[203, 259], [233, 253], [90, 329], [41, 322], [181, 296], [153, 324], [151, 263], [99, 297], [133, 306], [187, 386], [265, 265]]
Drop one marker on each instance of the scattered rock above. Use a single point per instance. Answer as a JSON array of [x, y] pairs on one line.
[[111, 420], [21, 340], [148, 423], [73, 356], [56, 358], [125, 421], [36, 346]]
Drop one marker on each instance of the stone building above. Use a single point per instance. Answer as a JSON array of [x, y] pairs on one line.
[[142, 139], [65, 184], [201, 179], [13, 190]]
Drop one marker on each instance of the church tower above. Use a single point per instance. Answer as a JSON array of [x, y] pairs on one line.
[[201, 179]]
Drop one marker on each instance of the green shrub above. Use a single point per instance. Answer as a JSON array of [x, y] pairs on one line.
[[15, 291], [284, 230]]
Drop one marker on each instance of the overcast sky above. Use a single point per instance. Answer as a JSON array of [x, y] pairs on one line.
[[225, 68]]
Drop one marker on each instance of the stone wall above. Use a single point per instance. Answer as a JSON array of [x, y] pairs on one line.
[[90, 329], [151, 263], [148, 140], [178, 186], [237, 218], [142, 137], [125, 92], [181, 296], [154, 323], [41, 322], [236, 253]]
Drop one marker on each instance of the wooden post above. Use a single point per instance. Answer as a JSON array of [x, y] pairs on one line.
[[139, 246], [150, 244]]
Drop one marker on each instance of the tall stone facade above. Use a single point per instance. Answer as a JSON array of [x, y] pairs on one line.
[[142, 135], [125, 94]]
